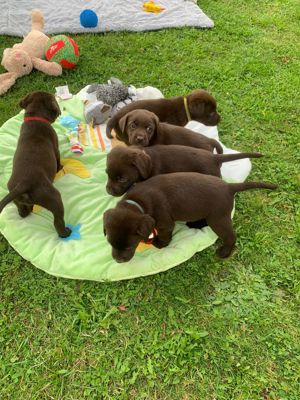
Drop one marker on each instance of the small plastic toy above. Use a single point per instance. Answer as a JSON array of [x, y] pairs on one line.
[[150, 6], [73, 126]]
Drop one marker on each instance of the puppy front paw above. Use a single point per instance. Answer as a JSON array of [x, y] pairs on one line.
[[224, 251], [160, 243], [66, 233]]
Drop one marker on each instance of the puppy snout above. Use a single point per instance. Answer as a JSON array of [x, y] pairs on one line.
[[110, 190], [122, 258], [139, 139]]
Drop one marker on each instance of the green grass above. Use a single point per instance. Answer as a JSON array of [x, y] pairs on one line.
[[207, 329]]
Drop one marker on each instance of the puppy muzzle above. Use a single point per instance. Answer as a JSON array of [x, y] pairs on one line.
[[139, 139]]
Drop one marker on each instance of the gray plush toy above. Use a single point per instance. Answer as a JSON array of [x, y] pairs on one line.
[[111, 93], [96, 112]]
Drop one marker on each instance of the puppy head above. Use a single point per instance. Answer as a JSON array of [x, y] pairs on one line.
[[124, 167], [139, 126], [124, 230], [41, 104], [203, 107]]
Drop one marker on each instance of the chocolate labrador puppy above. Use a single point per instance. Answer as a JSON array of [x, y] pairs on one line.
[[198, 105], [142, 128], [128, 165], [164, 199], [36, 161]]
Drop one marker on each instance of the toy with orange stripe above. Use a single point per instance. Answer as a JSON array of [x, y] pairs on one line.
[[72, 125]]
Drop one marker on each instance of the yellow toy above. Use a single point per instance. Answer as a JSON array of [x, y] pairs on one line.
[[150, 6]]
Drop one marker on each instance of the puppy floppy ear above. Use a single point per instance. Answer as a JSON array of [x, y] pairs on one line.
[[146, 226], [25, 101], [107, 217], [156, 121], [196, 103], [123, 123], [54, 108], [143, 164]]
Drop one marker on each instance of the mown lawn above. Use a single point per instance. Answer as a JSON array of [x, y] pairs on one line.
[[207, 329]]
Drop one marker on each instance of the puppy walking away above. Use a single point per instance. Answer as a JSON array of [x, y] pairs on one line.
[[36, 161]]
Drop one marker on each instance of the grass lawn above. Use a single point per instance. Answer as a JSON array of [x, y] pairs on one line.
[[207, 329]]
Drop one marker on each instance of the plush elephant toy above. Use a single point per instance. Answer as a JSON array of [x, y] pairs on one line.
[[23, 57]]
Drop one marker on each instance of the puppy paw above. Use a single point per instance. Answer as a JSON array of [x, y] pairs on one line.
[[224, 251], [67, 233], [24, 211], [159, 243]]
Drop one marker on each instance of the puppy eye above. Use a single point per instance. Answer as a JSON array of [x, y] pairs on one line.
[[133, 125], [149, 129], [121, 179]]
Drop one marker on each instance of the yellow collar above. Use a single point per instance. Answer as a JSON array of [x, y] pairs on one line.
[[186, 107]]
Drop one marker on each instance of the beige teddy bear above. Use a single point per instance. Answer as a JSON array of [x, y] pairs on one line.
[[23, 57]]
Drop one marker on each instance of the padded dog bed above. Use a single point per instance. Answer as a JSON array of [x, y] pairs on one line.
[[87, 254], [113, 15]]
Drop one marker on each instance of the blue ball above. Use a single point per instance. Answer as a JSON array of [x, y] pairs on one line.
[[88, 19]]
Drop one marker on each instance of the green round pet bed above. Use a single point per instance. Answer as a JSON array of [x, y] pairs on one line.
[[87, 254]]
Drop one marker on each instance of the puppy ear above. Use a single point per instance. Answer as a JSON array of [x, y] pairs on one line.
[[196, 106], [146, 226], [54, 108], [156, 121], [143, 163], [25, 101], [123, 123]]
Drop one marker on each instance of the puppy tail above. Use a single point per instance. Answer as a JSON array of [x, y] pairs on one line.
[[221, 158], [110, 126], [240, 187], [217, 146], [17, 191]]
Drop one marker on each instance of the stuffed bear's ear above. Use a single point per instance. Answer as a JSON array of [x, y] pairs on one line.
[[25, 101], [6, 81]]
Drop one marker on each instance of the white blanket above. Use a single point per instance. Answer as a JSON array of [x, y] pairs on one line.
[[113, 15]]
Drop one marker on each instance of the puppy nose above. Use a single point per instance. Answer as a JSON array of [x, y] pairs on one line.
[[121, 259], [139, 139]]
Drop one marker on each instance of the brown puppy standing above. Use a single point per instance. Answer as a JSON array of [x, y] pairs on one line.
[[36, 161], [142, 128], [198, 106], [164, 199], [128, 165]]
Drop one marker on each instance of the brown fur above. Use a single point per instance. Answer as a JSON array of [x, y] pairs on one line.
[[128, 165], [181, 196], [36, 162], [202, 107], [142, 128]]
